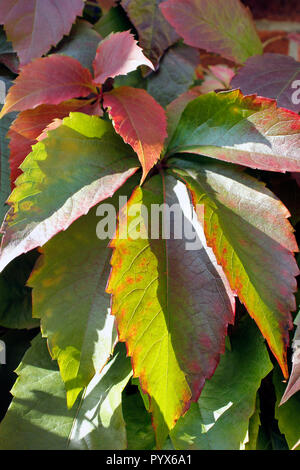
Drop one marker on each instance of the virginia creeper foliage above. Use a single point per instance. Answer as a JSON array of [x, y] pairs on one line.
[[136, 339]]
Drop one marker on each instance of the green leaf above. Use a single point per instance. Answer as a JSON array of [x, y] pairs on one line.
[[175, 109], [78, 165], [175, 74], [15, 297], [81, 44], [69, 296], [113, 21], [220, 419], [140, 434], [171, 306], [38, 418], [247, 130], [287, 414], [254, 426], [100, 424], [246, 226], [225, 28]]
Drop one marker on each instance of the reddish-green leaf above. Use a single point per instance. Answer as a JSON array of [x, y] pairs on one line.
[[118, 54], [272, 76], [217, 26], [155, 33], [81, 163], [49, 80], [140, 121], [247, 130], [29, 124], [171, 306], [246, 226], [34, 26]]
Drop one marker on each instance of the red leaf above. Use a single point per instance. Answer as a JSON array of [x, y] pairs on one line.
[[140, 121], [118, 54], [26, 23], [49, 80], [29, 124]]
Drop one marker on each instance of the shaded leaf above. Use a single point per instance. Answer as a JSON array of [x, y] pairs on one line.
[[155, 33], [106, 4], [225, 28], [246, 226], [100, 424], [27, 24], [81, 44], [80, 164], [133, 79], [5, 124], [272, 76], [220, 418], [78, 325], [37, 84], [287, 414], [16, 343], [247, 130], [293, 385], [7, 55], [118, 54], [15, 297], [254, 426], [140, 434], [171, 306], [113, 21], [175, 74], [38, 418], [140, 121]]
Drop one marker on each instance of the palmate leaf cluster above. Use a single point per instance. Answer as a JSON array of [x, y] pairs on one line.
[[144, 342]]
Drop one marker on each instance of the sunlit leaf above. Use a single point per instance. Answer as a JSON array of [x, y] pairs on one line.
[[171, 305], [78, 165], [246, 226]]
